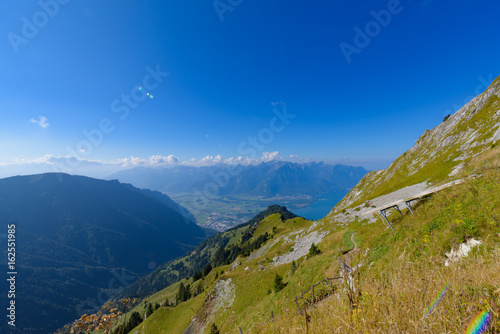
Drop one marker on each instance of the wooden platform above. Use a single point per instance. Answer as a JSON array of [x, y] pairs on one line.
[[382, 210]]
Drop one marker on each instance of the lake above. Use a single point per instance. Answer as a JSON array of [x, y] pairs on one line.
[[322, 206]]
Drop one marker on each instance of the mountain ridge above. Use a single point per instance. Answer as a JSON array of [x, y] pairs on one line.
[[76, 234], [358, 275], [439, 153]]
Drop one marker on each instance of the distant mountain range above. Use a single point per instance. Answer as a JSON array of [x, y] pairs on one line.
[[77, 235], [275, 178], [254, 272]]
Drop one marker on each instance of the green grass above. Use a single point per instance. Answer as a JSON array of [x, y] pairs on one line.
[[429, 234], [442, 222], [348, 245], [437, 168], [393, 272], [171, 320]]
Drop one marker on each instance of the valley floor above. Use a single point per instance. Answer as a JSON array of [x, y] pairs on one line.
[[224, 212]]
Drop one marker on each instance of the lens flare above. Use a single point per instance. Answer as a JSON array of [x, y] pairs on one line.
[[479, 324], [436, 301]]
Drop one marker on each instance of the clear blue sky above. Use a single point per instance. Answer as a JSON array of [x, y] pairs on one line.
[[225, 75]]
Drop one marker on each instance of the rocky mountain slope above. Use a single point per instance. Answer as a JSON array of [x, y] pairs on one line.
[[358, 276], [439, 153], [377, 280]]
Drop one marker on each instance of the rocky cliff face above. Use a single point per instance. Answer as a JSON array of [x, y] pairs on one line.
[[439, 153]]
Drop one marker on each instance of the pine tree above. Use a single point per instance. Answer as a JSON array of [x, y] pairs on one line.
[[214, 329], [207, 270], [181, 294], [278, 283], [294, 267], [314, 250], [134, 321], [196, 276], [220, 257], [149, 310]]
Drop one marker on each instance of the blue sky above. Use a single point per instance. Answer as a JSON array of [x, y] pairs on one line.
[[71, 72]]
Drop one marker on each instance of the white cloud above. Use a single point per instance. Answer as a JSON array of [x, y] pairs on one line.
[[241, 161], [151, 161], [131, 162], [154, 160], [159, 159], [211, 160], [271, 156], [42, 121], [21, 161]]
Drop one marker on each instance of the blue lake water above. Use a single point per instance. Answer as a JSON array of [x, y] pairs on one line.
[[322, 206]]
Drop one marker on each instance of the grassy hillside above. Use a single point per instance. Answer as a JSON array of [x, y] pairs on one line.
[[404, 271], [394, 276], [401, 272], [439, 153], [230, 243]]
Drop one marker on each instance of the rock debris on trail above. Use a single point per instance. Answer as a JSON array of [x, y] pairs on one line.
[[301, 247], [222, 296], [263, 250]]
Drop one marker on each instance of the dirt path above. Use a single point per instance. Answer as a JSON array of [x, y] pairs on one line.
[[348, 256], [354, 242]]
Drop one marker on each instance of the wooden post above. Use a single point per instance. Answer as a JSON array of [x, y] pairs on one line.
[[307, 319], [272, 315], [241, 332], [312, 299], [297, 302]]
